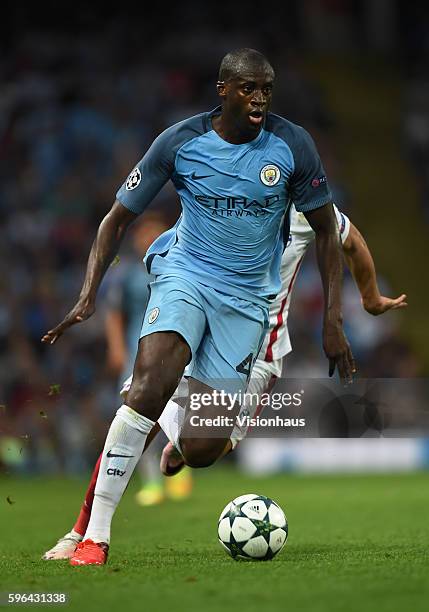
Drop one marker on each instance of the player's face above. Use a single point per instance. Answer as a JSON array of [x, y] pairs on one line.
[[247, 99]]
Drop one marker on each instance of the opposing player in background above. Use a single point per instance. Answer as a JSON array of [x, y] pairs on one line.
[[276, 346], [236, 169], [126, 301], [269, 365]]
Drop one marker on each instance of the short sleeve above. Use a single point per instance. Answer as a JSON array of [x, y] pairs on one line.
[[149, 176], [309, 187], [343, 224]]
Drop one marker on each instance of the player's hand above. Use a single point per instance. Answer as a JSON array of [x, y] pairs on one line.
[[82, 311], [382, 304], [337, 350]]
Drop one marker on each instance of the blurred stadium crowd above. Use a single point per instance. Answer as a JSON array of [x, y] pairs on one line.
[[415, 34], [77, 111]]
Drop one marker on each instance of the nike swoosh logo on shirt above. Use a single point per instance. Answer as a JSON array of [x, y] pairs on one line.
[[110, 454], [197, 177]]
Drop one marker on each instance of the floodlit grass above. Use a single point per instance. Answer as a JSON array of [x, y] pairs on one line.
[[356, 543]]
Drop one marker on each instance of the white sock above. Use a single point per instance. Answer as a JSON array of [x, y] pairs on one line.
[[75, 535], [257, 386], [123, 448], [171, 421]]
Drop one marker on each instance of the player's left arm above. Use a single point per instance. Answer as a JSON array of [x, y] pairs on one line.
[[361, 264], [329, 257], [309, 191]]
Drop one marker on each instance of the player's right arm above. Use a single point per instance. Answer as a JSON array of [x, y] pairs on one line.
[[361, 264], [104, 248], [141, 186]]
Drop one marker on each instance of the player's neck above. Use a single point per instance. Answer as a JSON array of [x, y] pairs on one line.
[[228, 130]]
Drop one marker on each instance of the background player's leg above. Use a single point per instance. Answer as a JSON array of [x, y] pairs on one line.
[[85, 511], [151, 491]]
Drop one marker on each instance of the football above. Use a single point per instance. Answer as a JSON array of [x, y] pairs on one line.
[[252, 527]]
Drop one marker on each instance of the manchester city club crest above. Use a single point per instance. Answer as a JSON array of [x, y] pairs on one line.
[[153, 315], [270, 175], [133, 180]]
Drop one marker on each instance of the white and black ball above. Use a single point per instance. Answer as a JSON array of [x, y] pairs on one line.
[[252, 527]]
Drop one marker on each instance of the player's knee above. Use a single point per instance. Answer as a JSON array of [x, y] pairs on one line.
[[147, 389], [199, 453]]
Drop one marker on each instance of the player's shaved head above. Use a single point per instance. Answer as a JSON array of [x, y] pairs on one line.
[[242, 61]]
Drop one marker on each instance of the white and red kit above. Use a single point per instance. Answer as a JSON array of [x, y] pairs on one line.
[[277, 344]]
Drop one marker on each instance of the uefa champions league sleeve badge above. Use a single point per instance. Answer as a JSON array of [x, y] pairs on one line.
[[133, 180]]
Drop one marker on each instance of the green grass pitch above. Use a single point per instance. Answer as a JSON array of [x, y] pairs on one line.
[[356, 543]]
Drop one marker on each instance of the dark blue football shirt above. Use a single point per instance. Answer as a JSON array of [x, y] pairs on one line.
[[235, 201]]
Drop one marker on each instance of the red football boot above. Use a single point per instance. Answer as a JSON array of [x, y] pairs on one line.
[[90, 553]]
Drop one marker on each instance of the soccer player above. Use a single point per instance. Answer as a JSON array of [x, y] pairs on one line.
[[268, 367], [276, 346], [236, 169]]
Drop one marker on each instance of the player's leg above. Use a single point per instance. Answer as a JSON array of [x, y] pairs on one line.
[[170, 422], [151, 491], [201, 442], [161, 358], [172, 418], [220, 375], [67, 544], [81, 524], [263, 377], [128, 433]]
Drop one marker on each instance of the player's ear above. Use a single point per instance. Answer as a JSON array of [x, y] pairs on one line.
[[221, 89]]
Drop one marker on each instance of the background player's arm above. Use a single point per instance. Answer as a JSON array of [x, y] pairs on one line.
[[104, 248], [361, 264], [115, 338], [329, 257], [115, 324]]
